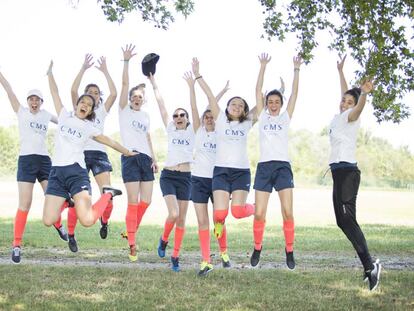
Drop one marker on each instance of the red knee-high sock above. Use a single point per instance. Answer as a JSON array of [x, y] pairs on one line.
[[167, 230], [204, 237], [178, 239], [72, 220], [239, 211], [258, 230], [223, 241], [58, 223], [220, 215], [19, 226], [289, 231], [108, 211], [131, 222], [142, 208], [99, 207]]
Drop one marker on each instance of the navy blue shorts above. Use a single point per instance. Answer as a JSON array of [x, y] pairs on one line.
[[201, 189], [33, 166], [231, 179], [70, 179], [176, 183], [137, 168], [273, 174], [97, 162]]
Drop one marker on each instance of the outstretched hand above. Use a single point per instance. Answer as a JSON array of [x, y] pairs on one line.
[[49, 70], [264, 58], [367, 85], [188, 77], [102, 64], [297, 61], [128, 52], [340, 63], [195, 65], [88, 61]]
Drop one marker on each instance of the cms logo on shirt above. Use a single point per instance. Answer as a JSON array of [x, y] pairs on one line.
[[272, 127], [230, 132], [71, 132], [139, 126], [209, 145], [38, 126], [177, 141]]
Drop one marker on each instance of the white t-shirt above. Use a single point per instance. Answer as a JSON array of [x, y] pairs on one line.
[[273, 135], [32, 131], [71, 138], [232, 142], [343, 138], [205, 153], [99, 123], [180, 145], [135, 126]]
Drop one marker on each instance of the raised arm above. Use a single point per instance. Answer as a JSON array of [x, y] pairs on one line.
[[128, 53], [74, 91], [297, 61], [264, 59], [342, 80], [367, 87], [160, 100], [212, 102], [54, 89], [223, 91], [12, 97], [188, 77], [111, 85]]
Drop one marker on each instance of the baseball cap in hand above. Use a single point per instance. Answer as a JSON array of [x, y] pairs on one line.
[[148, 63]]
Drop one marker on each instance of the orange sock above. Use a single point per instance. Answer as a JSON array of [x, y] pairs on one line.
[[289, 231], [99, 207], [108, 211], [204, 237], [142, 207], [58, 223], [220, 215], [223, 241], [167, 230], [258, 230], [72, 220], [19, 226], [131, 222], [178, 239], [239, 211]]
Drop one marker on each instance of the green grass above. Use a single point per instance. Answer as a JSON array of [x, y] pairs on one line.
[[99, 277]]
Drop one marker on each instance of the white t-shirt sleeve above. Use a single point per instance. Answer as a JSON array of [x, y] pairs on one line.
[[93, 131]]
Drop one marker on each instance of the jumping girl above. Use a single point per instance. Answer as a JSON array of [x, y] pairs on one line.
[[346, 176], [273, 169], [34, 161], [137, 171]]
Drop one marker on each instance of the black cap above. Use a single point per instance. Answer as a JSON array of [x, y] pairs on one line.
[[148, 63]]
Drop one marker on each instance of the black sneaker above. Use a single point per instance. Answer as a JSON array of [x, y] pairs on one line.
[[103, 232], [374, 276], [366, 274], [73, 245], [16, 254], [175, 264], [225, 260], [255, 258], [62, 233], [114, 192], [205, 268], [290, 260]]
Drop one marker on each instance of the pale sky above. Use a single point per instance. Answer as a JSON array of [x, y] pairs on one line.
[[223, 34]]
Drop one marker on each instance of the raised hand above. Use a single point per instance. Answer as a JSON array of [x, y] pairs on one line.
[[297, 61], [195, 65], [188, 77], [264, 58], [282, 86], [88, 61], [102, 64], [49, 70], [367, 85], [128, 52], [340, 63]]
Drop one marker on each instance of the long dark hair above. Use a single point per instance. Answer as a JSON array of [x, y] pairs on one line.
[[99, 90], [244, 116], [91, 117]]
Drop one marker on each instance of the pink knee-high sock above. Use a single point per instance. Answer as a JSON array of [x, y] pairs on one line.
[[178, 239], [258, 231], [220, 215], [204, 237], [72, 220], [108, 211], [58, 223], [223, 240], [167, 230], [142, 208], [239, 211], [131, 222], [289, 232], [19, 226]]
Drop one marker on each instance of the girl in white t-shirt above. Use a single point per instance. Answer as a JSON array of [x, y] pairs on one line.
[[273, 169], [96, 158], [175, 180], [34, 161], [346, 176], [137, 171], [231, 175], [68, 174]]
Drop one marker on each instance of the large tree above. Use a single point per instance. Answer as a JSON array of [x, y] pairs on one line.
[[376, 34]]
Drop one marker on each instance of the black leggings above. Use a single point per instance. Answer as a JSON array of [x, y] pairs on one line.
[[345, 190]]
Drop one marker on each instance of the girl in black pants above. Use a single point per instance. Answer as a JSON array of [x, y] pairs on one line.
[[343, 133]]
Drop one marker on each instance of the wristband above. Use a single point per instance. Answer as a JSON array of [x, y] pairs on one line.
[[199, 77]]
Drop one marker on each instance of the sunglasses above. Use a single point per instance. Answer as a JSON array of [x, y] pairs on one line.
[[181, 115]]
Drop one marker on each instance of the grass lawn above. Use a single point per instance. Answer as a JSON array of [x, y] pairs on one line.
[[99, 277]]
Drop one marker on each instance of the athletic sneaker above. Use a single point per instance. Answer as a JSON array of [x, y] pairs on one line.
[[16, 254], [225, 260], [133, 253], [218, 229], [175, 264], [162, 245], [365, 275], [111, 190], [374, 276], [103, 232], [290, 260], [73, 245], [205, 268], [62, 233], [254, 260]]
